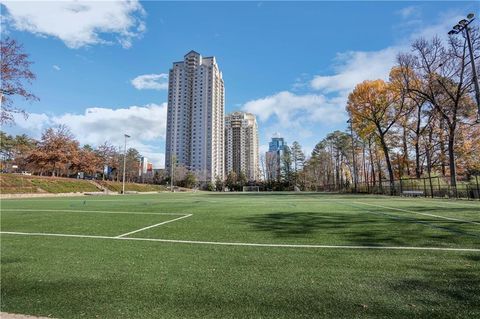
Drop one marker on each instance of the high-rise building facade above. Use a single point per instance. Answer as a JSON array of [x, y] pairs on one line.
[[241, 145], [273, 158], [195, 118]]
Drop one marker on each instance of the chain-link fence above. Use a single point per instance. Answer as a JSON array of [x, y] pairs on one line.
[[467, 187]]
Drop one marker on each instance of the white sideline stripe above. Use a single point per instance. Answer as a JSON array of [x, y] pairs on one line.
[[425, 214], [86, 211], [244, 244], [151, 226], [472, 204]]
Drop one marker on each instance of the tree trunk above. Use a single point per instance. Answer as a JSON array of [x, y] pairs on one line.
[[429, 167], [417, 158], [442, 148], [389, 164], [405, 152], [451, 156], [418, 172], [371, 162]]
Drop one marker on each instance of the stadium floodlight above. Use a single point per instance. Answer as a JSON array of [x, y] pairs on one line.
[[463, 25], [124, 162]]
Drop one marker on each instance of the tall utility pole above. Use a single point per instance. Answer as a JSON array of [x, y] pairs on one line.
[[353, 157], [464, 25], [124, 162]]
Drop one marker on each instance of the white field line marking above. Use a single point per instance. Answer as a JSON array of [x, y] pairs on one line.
[[425, 214], [151, 226], [473, 205], [88, 211], [244, 244]]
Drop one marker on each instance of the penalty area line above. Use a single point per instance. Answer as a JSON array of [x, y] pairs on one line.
[[151, 226], [86, 211], [196, 242]]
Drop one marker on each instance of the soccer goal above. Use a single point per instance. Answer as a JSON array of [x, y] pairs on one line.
[[251, 188]]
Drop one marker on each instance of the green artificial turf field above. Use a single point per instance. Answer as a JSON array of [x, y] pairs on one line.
[[245, 255]]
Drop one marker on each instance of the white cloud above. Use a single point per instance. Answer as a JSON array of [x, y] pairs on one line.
[[96, 125], [33, 124], [354, 67], [291, 109], [145, 124], [409, 12], [56, 67], [151, 81], [79, 23], [295, 117]]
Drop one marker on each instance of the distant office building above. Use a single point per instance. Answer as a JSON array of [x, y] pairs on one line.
[[195, 118], [143, 166], [145, 169], [273, 158], [241, 145]]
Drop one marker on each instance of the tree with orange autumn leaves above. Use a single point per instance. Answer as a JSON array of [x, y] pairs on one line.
[[58, 153], [374, 108]]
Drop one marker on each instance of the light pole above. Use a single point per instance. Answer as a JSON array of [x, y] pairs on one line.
[[353, 157], [124, 162], [464, 25]]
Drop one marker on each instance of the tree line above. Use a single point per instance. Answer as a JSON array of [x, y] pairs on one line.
[[58, 153], [418, 123]]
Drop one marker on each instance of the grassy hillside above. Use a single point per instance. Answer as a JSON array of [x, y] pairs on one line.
[[117, 187], [20, 184]]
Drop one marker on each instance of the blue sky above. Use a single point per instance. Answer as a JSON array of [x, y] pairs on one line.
[[101, 66]]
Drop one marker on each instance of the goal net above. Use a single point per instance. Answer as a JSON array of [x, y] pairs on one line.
[[251, 188]]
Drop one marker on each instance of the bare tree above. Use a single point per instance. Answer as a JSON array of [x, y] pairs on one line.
[[439, 74], [15, 72]]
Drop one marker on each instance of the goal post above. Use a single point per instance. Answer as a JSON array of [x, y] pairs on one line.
[[251, 188]]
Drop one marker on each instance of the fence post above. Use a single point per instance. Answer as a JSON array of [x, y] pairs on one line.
[[478, 188], [438, 181], [424, 187]]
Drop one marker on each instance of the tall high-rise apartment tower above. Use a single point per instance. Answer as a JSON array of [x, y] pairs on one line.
[[241, 145], [195, 118]]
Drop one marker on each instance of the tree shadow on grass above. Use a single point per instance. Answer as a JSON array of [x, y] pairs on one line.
[[453, 284], [287, 224], [375, 229]]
